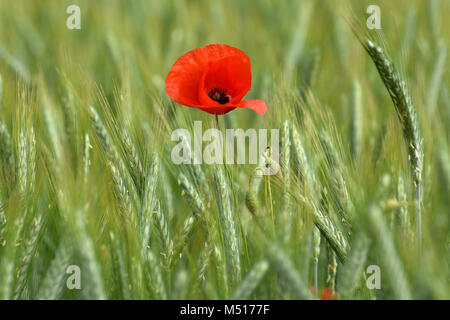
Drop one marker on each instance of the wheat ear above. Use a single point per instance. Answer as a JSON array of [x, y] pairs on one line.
[[407, 115], [53, 283], [228, 223]]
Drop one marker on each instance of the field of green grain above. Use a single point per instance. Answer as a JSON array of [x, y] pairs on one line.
[[360, 211]]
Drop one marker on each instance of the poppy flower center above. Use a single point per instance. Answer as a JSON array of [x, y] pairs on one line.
[[219, 95]]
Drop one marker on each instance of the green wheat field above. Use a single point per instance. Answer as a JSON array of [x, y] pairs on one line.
[[359, 210]]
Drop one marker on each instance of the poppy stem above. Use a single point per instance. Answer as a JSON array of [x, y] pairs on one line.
[[217, 122], [316, 272]]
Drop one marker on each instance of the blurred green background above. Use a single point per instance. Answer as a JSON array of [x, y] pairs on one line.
[[306, 64]]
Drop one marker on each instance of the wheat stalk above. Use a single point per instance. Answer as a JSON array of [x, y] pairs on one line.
[[333, 235], [117, 166], [356, 120], [285, 160], [316, 241], [221, 270], [302, 160], [163, 230], [22, 170], [53, 283], [205, 260], [251, 281], [406, 113], [94, 288], [2, 225], [403, 208], [29, 250], [167, 195], [7, 270], [187, 228], [149, 201], [287, 271], [286, 170], [134, 160], [156, 276], [354, 266], [332, 270], [436, 79], [190, 191], [444, 170], [340, 195], [390, 258], [54, 135], [118, 259], [86, 157], [180, 285], [1, 90], [228, 223], [121, 189], [9, 252], [6, 155]]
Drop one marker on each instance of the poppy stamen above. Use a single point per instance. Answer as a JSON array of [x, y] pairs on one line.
[[219, 95]]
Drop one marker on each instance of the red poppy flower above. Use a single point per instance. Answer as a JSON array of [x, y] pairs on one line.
[[324, 294], [214, 79]]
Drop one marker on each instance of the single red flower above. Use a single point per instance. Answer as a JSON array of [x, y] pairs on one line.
[[214, 79], [324, 294]]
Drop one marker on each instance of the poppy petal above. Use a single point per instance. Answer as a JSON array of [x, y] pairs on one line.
[[183, 81], [216, 64], [256, 105], [232, 74], [217, 110]]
